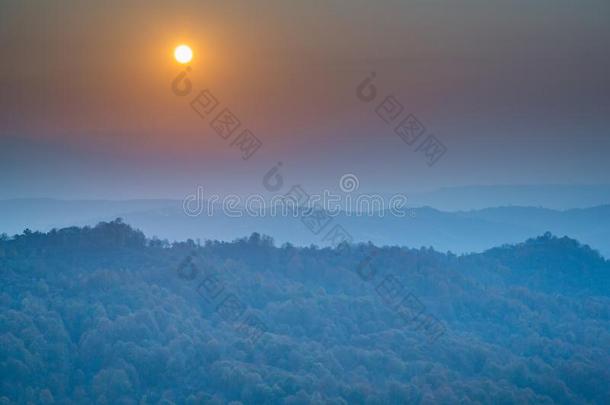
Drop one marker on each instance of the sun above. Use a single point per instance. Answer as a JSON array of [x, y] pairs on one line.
[[183, 54]]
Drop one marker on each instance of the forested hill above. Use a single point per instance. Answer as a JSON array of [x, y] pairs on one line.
[[105, 315]]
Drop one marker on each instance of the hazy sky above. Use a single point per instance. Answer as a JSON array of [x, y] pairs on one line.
[[517, 91]]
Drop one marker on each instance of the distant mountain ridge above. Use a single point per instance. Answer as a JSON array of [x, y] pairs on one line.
[[553, 196], [459, 232]]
